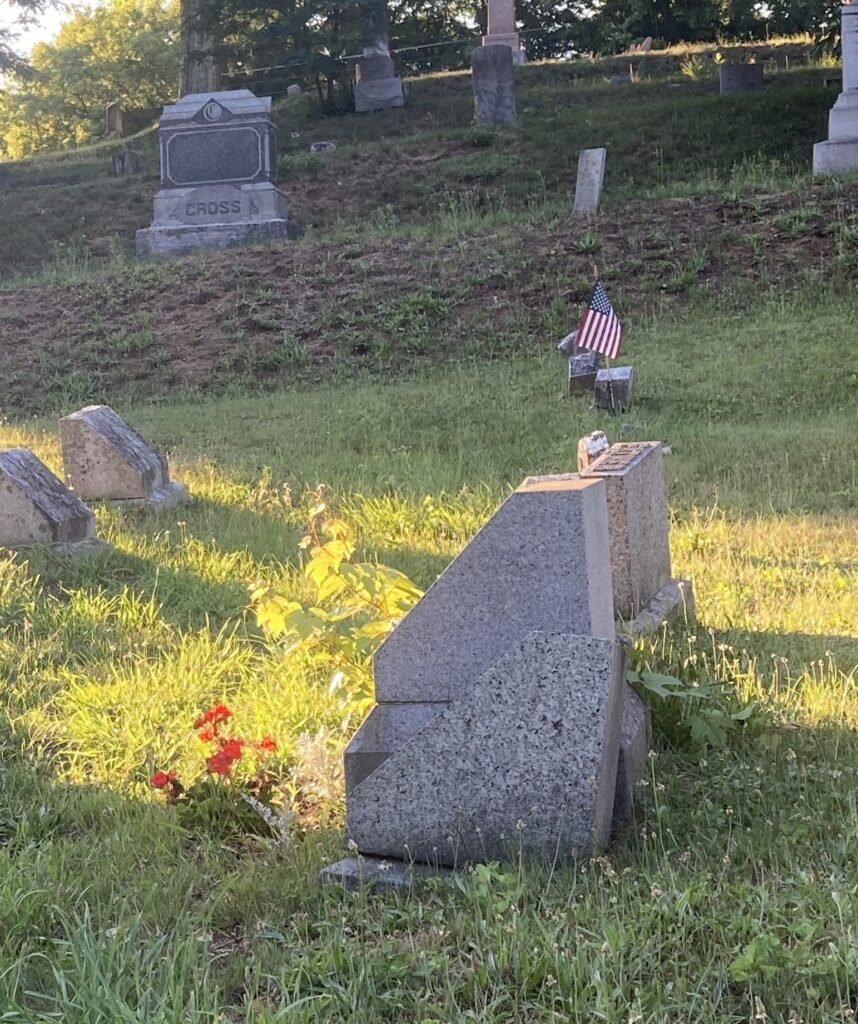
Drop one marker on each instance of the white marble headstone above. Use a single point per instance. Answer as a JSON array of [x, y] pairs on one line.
[[591, 175]]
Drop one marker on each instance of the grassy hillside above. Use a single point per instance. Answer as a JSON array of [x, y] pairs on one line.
[[403, 354]]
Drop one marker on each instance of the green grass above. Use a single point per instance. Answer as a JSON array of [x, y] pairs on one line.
[[735, 888]]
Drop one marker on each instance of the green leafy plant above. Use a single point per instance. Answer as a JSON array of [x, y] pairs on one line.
[[355, 606], [226, 799]]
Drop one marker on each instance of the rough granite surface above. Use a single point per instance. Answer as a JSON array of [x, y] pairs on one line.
[[525, 759], [541, 562], [633, 472], [494, 84], [387, 728], [36, 507], [104, 457]]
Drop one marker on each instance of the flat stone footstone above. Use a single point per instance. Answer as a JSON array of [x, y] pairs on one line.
[[379, 874], [541, 562], [633, 472], [36, 507], [525, 760], [635, 742], [674, 601], [106, 459], [617, 397]]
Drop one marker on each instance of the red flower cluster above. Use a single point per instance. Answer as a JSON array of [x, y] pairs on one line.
[[214, 716], [160, 780]]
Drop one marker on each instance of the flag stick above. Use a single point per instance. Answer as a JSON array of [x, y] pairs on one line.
[[607, 360]]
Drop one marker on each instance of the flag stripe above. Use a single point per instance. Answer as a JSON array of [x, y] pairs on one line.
[[600, 330]]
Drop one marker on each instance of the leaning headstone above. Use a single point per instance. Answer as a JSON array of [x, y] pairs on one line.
[[477, 610], [293, 90], [125, 163], [591, 176], [501, 31], [646, 45], [741, 78], [113, 119], [37, 508], [105, 459], [524, 760], [839, 153], [581, 372], [613, 389], [218, 176], [494, 85]]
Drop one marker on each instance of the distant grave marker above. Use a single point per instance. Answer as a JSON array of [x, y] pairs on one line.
[[735, 78], [494, 85], [613, 388], [588, 185], [113, 119]]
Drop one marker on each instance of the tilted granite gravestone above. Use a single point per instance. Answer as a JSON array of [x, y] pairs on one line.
[[735, 78], [494, 85], [524, 759], [541, 562], [36, 507], [218, 176], [106, 459], [588, 185], [501, 31], [638, 526], [839, 153]]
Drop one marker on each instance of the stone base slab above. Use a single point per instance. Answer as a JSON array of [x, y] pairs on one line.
[[219, 204], [93, 547], [832, 157], [379, 94], [160, 500], [675, 600], [380, 875], [162, 241]]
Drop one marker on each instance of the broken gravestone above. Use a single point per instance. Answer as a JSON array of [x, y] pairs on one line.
[[105, 459], [37, 508], [591, 447], [501, 701]]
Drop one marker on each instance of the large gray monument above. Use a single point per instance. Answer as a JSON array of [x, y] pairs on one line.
[[377, 86], [218, 176], [501, 31], [839, 153]]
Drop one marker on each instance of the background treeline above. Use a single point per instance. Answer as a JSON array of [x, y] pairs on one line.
[[128, 50]]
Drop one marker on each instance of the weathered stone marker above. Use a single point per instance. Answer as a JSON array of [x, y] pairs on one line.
[[113, 119], [377, 86], [581, 371], [36, 507], [494, 85], [839, 154], [613, 388], [218, 176], [501, 29], [644, 593], [105, 459], [591, 176], [741, 78], [591, 447], [125, 163], [293, 90]]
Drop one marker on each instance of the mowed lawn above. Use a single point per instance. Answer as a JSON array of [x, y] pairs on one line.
[[732, 897]]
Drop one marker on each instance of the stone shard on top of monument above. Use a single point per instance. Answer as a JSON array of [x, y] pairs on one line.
[[218, 175], [36, 507], [541, 562], [104, 458], [638, 521], [523, 760]]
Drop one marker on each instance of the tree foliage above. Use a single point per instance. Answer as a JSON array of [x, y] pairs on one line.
[[124, 50]]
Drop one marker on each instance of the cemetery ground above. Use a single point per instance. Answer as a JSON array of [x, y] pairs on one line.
[[409, 365]]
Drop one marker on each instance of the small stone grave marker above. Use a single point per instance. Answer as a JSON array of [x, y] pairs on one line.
[[125, 163], [591, 176], [37, 508], [113, 119], [740, 78], [293, 90], [618, 396], [105, 459]]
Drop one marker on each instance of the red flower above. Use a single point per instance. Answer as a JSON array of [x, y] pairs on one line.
[[219, 713], [207, 735], [220, 763], [266, 743], [232, 749], [160, 780]]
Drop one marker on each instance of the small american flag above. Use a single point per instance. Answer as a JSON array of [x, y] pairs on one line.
[[600, 330]]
